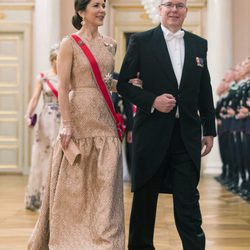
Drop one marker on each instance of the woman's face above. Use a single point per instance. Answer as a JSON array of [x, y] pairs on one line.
[[94, 13]]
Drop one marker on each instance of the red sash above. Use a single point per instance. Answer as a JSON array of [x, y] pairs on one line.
[[99, 81], [54, 91]]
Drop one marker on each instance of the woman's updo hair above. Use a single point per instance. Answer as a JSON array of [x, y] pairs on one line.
[[80, 5], [53, 52]]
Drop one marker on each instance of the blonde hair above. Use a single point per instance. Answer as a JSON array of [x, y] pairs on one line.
[[53, 52]]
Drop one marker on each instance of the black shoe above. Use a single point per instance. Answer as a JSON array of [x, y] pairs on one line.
[[246, 197], [217, 178], [246, 194], [232, 187], [220, 178], [235, 190]]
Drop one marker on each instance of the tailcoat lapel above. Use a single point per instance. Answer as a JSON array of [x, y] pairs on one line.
[[187, 66], [160, 50]]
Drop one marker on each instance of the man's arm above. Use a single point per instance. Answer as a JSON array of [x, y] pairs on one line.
[[141, 97], [206, 104]]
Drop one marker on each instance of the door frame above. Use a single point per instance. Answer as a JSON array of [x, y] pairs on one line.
[[25, 88]]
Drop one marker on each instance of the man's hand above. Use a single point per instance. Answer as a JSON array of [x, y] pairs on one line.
[[230, 112], [207, 142], [164, 103], [243, 113], [248, 102]]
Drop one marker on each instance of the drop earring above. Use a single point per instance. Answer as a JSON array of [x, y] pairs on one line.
[[83, 21]]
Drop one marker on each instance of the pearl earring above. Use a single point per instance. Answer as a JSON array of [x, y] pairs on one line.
[[83, 20]]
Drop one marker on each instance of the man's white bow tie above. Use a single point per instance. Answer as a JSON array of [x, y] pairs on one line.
[[178, 34]]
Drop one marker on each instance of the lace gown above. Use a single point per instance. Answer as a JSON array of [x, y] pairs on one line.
[[45, 134], [83, 204]]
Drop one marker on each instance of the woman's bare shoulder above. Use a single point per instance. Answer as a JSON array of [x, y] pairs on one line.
[[66, 43]]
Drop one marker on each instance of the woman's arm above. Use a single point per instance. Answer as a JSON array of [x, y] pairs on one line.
[[64, 75], [33, 102]]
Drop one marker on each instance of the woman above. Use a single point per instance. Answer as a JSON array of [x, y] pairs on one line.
[[83, 204], [46, 131]]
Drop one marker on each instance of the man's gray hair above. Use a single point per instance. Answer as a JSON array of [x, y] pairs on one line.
[[161, 1]]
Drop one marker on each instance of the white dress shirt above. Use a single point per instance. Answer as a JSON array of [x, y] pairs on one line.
[[176, 49]]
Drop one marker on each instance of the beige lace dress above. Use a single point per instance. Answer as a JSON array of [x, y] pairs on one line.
[[45, 134], [83, 204]]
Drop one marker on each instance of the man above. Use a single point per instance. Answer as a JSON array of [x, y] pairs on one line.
[[174, 101]]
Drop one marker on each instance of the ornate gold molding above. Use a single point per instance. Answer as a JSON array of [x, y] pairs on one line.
[[125, 2], [191, 3], [20, 5], [196, 3]]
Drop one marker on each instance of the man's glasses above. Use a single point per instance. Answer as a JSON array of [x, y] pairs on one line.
[[178, 6]]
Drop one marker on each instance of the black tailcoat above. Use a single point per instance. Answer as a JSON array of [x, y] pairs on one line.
[[148, 54]]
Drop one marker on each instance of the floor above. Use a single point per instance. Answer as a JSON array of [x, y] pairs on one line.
[[226, 217]]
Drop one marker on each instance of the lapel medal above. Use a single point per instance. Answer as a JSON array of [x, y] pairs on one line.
[[199, 61]]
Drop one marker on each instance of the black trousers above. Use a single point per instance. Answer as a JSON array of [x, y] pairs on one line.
[[185, 197], [223, 144]]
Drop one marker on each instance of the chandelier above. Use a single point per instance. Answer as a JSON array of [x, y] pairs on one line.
[[152, 9]]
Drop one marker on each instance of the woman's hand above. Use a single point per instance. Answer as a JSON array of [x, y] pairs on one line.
[[28, 121], [65, 136], [64, 65], [136, 81]]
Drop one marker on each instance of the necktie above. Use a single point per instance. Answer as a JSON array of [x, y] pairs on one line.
[[179, 34]]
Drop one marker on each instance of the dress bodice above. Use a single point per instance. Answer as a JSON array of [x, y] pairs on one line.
[[103, 49], [48, 95], [89, 113]]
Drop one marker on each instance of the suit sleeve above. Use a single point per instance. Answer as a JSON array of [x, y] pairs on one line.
[[128, 110], [206, 104], [142, 98]]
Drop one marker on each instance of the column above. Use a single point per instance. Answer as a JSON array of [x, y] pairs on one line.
[[46, 32], [220, 53]]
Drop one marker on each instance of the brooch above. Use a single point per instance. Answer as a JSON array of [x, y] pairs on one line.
[[108, 80], [110, 47]]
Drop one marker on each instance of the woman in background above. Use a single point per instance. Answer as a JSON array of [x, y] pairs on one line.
[[45, 130]]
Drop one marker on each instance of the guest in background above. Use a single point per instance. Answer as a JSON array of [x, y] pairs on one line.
[[234, 129], [45, 130]]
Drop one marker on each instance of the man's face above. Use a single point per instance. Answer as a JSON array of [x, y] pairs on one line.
[[173, 14], [230, 75], [246, 66]]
